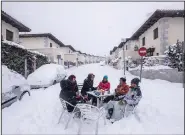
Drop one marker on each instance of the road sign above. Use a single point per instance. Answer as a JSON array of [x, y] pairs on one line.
[[142, 51]]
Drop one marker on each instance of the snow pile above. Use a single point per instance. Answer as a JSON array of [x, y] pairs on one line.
[[13, 44], [22, 47], [46, 74], [35, 52], [160, 111], [11, 78], [157, 67]]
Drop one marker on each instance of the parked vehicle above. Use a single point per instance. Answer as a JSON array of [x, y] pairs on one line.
[[102, 63], [46, 75], [14, 87]]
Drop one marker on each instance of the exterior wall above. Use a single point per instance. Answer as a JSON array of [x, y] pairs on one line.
[[169, 30], [71, 57], [42, 44], [66, 50], [149, 40], [176, 30], [34, 42], [51, 53], [6, 26], [130, 49], [54, 44], [81, 58]]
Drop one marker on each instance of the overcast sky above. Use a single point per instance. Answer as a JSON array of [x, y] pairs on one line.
[[90, 27]]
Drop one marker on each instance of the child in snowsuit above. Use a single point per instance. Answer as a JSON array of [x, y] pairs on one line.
[[131, 98], [120, 91]]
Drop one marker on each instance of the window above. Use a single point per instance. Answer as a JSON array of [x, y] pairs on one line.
[[143, 41], [155, 33], [126, 47], [9, 35], [50, 44]]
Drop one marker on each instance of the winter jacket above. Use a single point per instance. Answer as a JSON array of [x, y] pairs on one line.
[[133, 96], [122, 89], [104, 85], [68, 90], [87, 86]]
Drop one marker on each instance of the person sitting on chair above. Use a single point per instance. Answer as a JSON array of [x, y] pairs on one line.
[[88, 86], [104, 84], [132, 97], [69, 92], [120, 91]]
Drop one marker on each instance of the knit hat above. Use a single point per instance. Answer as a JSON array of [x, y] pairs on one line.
[[105, 77], [135, 81]]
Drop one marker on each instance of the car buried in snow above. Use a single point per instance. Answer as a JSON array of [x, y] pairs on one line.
[[14, 87], [46, 75]]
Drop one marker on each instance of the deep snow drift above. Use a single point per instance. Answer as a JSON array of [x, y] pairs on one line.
[[161, 109]]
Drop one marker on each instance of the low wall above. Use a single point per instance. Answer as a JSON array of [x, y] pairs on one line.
[[171, 75]]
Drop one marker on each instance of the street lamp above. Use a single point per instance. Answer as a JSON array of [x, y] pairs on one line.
[[123, 40]]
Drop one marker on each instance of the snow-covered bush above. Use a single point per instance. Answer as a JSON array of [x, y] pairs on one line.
[[14, 55], [151, 61], [175, 56]]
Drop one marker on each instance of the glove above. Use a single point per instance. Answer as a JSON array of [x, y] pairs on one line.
[[78, 96]]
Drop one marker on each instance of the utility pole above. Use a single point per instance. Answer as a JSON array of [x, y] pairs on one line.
[[123, 55]]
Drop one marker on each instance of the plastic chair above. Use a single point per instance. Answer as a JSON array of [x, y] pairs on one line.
[[88, 112]]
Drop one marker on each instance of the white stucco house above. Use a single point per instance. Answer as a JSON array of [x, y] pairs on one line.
[[11, 28], [81, 58], [163, 28], [45, 43]]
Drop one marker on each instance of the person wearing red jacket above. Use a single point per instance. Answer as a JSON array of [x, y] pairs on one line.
[[121, 90], [104, 84]]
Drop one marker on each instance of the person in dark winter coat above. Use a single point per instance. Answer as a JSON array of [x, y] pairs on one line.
[[88, 84], [120, 91], [69, 92]]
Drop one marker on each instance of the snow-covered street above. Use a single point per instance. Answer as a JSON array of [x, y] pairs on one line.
[[161, 110]]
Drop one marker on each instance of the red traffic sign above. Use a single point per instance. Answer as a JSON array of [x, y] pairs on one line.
[[142, 51]]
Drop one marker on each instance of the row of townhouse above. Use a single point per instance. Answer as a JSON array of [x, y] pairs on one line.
[[45, 43], [161, 29]]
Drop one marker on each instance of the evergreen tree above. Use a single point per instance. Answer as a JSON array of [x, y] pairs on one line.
[[175, 56]]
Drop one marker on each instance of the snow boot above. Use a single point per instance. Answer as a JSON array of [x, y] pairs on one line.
[[110, 112], [77, 115]]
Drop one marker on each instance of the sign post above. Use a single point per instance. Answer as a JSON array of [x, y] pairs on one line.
[[142, 52]]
